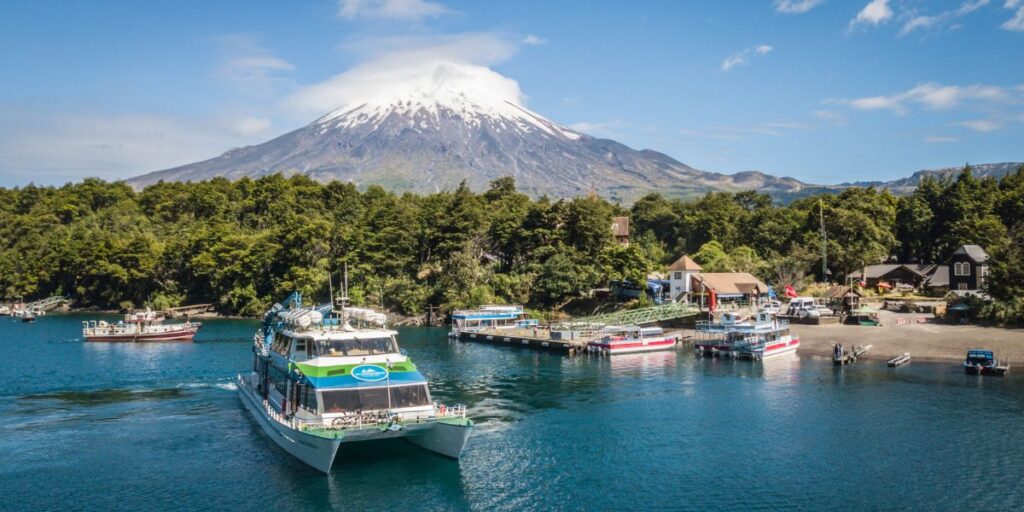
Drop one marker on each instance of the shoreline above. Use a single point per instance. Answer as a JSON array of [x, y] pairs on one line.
[[900, 333]]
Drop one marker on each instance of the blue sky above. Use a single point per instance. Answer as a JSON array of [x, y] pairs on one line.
[[825, 91]]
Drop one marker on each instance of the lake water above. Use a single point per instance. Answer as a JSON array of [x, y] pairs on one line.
[[159, 427]]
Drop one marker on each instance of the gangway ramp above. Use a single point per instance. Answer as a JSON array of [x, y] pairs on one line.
[[638, 316]]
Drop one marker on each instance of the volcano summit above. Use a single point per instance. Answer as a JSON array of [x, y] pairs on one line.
[[456, 122]]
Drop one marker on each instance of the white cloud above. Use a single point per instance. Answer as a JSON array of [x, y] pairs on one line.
[[1016, 23], [251, 125], [743, 56], [419, 62], [940, 139], [933, 96], [249, 68], [937, 20], [796, 6], [390, 9], [533, 40], [981, 125], [49, 145], [877, 11], [828, 115], [599, 129]]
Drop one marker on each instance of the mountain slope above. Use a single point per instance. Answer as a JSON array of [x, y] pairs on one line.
[[431, 135]]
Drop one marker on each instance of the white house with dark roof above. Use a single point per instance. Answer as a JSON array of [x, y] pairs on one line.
[[968, 268], [679, 276]]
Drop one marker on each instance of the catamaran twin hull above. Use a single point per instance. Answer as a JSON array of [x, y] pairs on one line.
[[318, 447], [770, 349]]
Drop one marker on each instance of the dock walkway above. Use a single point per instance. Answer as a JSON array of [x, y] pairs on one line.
[[542, 339]]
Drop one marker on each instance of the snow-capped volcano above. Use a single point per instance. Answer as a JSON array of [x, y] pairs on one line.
[[451, 122]]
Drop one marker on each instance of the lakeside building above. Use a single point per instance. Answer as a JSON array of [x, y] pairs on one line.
[[729, 286], [620, 230], [680, 276], [963, 273]]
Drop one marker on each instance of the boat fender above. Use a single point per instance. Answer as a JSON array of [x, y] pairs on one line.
[[441, 409]]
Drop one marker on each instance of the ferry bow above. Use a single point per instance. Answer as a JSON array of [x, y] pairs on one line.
[[323, 377]]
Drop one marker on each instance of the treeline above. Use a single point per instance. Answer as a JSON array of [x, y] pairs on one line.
[[245, 244]]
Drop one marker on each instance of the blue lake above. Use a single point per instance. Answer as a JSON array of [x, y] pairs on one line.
[[159, 427]]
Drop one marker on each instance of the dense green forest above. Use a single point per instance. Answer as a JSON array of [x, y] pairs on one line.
[[246, 243]]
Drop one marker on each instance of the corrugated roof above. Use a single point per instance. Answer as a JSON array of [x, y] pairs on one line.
[[620, 226], [939, 278], [878, 271], [685, 263], [974, 252], [731, 283]]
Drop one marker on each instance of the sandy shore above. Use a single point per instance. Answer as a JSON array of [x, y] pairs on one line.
[[925, 341]]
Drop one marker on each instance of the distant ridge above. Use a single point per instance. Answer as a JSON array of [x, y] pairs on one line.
[[908, 184]]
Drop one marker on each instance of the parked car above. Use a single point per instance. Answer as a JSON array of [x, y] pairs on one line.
[[806, 307]]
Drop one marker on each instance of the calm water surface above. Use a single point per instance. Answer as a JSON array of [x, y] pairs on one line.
[[159, 427]]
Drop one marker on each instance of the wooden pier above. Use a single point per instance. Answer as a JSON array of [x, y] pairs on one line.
[[562, 342], [843, 358], [900, 360]]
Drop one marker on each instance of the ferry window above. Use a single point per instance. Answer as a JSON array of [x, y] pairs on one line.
[[340, 401], [373, 398], [279, 380], [409, 396], [300, 345], [281, 344], [355, 347], [308, 398], [350, 400]]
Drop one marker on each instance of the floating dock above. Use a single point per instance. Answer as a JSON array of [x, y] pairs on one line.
[[900, 360], [563, 342], [843, 358]]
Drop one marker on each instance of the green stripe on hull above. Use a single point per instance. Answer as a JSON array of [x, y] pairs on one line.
[[346, 369]]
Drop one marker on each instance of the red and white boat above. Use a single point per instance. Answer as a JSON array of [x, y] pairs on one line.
[[759, 338], [631, 339], [138, 327]]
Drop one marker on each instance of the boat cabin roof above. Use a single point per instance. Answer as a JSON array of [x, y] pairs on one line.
[[334, 334], [987, 354]]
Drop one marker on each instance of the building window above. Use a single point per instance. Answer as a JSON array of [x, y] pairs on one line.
[[984, 271], [962, 269], [962, 286], [679, 275]]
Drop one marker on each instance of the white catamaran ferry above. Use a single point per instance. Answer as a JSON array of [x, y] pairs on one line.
[[323, 377], [490, 317], [762, 337]]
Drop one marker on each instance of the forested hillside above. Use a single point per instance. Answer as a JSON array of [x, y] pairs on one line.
[[246, 243]]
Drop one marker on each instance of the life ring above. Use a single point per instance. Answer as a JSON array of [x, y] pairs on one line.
[[338, 422]]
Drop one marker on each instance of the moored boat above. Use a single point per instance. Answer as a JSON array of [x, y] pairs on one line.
[[490, 317], [323, 377], [140, 326], [983, 362], [762, 337], [631, 339]]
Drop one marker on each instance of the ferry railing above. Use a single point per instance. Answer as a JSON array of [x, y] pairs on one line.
[[361, 419]]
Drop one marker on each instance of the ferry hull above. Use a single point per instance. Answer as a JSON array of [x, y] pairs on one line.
[[448, 439], [634, 347], [127, 338], [445, 437], [317, 452]]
